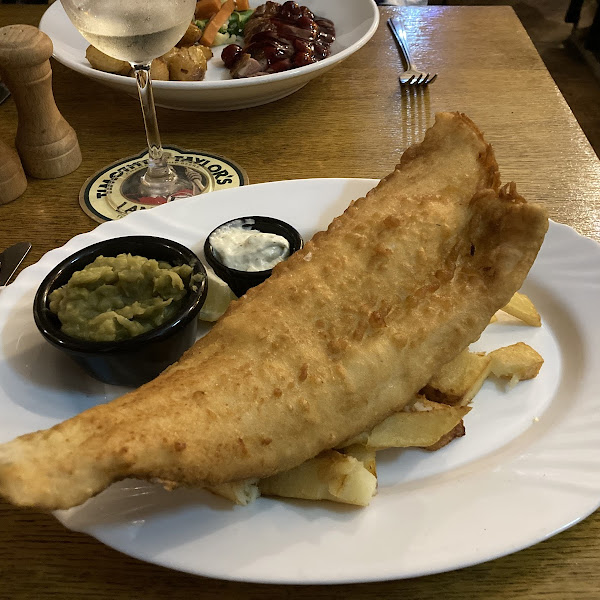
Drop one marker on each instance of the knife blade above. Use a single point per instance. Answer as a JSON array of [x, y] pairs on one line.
[[10, 260], [4, 93]]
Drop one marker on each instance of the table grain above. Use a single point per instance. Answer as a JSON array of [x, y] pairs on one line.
[[354, 121]]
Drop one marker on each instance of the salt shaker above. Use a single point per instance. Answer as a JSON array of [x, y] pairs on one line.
[[46, 143]]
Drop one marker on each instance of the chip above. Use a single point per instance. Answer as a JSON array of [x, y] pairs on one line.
[[521, 307], [457, 432], [365, 455], [518, 361], [421, 426], [458, 381], [329, 476]]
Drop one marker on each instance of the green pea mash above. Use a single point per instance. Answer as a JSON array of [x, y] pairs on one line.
[[116, 298]]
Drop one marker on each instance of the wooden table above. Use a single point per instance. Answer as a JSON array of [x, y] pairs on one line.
[[355, 121]]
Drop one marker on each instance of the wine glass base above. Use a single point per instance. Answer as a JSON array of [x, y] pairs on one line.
[[124, 187], [181, 182]]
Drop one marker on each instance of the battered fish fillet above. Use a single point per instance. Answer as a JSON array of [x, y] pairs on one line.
[[343, 334]]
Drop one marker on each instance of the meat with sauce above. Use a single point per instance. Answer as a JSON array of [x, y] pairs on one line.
[[279, 37]]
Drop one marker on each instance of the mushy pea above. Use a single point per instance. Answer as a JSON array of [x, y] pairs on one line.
[[116, 298]]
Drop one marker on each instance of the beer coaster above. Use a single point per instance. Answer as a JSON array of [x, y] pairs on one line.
[[110, 193]]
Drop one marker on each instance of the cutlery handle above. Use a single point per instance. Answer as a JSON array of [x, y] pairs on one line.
[[47, 144], [12, 178], [397, 28]]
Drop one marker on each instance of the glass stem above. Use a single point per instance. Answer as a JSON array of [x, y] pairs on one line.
[[158, 169]]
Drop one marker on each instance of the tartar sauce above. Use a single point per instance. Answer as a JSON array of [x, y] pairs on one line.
[[240, 247]]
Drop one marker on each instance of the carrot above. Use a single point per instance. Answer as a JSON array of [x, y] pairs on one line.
[[216, 22], [242, 5], [205, 9]]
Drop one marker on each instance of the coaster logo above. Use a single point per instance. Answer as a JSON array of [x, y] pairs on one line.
[[112, 193]]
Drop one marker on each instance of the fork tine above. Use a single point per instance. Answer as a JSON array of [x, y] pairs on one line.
[[432, 79], [421, 78], [410, 80]]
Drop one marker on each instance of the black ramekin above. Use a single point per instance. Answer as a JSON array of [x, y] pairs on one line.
[[137, 360], [241, 281]]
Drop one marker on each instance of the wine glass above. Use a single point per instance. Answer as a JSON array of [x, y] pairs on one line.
[[138, 31]]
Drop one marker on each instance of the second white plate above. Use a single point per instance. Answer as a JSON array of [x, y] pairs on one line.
[[355, 21]]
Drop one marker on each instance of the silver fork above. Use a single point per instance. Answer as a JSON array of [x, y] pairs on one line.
[[412, 75]]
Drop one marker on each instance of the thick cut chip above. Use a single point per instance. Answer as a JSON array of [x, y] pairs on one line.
[[301, 483], [365, 455], [422, 426], [518, 361], [458, 381], [329, 476], [457, 432], [521, 307]]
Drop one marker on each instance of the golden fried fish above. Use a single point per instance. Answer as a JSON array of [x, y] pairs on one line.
[[343, 334]]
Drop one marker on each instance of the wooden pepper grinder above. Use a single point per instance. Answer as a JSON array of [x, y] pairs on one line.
[[46, 143], [12, 178]]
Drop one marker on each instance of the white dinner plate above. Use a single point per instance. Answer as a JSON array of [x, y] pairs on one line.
[[355, 22], [528, 467]]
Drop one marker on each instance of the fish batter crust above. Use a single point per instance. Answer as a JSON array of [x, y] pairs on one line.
[[343, 334]]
